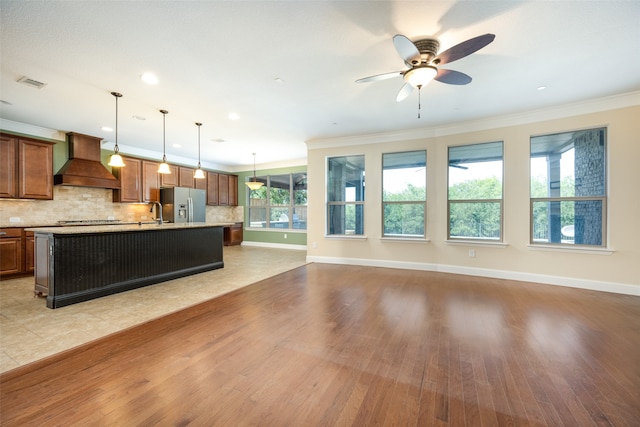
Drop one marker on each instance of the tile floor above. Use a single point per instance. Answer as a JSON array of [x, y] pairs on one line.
[[30, 331]]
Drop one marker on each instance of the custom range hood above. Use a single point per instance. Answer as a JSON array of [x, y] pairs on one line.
[[83, 169]]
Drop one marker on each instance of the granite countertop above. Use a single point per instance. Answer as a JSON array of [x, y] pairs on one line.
[[125, 227]]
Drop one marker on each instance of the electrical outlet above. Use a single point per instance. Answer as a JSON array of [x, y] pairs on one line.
[[285, 235], [14, 219], [472, 253]]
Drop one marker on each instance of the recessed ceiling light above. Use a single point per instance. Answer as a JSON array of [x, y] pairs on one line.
[[176, 145], [107, 129], [218, 140], [541, 87], [233, 116], [138, 118], [149, 78]]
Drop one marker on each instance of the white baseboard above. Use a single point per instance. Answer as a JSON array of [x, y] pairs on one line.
[[275, 245], [618, 288]]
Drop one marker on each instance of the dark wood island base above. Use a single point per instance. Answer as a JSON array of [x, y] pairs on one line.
[[75, 264]]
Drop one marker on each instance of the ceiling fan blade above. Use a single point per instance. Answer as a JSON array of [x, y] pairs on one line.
[[404, 92], [406, 49], [452, 77], [463, 49], [380, 77]]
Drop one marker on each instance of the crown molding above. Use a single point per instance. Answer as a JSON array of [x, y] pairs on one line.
[[32, 130], [549, 113]]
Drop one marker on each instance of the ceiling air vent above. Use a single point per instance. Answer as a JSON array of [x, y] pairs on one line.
[[32, 83]]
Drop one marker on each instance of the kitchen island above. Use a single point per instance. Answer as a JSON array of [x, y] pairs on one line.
[[75, 264]]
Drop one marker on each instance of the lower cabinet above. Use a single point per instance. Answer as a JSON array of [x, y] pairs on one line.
[[233, 234], [16, 252]]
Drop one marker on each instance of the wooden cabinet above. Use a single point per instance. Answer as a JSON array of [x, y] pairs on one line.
[[26, 168], [223, 190], [201, 183], [16, 251], [233, 234], [170, 179], [130, 177], [139, 181], [186, 178], [233, 190], [29, 241], [212, 188], [11, 251], [150, 181]]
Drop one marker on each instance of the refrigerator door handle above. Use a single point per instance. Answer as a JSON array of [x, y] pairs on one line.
[[190, 210]]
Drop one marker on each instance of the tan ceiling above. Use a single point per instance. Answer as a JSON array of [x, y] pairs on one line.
[[217, 57]]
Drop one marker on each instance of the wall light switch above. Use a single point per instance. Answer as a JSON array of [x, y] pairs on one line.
[[472, 253], [14, 219]]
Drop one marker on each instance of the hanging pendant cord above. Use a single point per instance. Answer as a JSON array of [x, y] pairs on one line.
[[116, 147], [198, 124]]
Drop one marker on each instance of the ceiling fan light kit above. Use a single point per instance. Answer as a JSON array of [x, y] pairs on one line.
[[419, 77]]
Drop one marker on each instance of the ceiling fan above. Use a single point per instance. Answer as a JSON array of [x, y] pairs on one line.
[[423, 60]]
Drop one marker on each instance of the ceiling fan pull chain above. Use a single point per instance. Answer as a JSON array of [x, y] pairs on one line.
[[419, 91]]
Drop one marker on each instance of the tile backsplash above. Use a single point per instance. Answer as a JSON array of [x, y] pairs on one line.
[[84, 203]]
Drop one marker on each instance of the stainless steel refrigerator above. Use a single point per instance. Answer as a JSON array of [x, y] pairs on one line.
[[180, 204]]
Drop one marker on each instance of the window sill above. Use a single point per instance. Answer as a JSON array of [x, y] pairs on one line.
[[405, 239], [276, 230], [476, 243], [345, 237], [574, 249]]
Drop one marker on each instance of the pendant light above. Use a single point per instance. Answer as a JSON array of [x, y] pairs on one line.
[[199, 174], [254, 185], [164, 167], [116, 159]]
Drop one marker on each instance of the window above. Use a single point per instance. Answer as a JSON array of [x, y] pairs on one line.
[[568, 188], [475, 191], [404, 184], [283, 200], [345, 195]]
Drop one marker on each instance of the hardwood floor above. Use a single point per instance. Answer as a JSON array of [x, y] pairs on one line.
[[345, 345]]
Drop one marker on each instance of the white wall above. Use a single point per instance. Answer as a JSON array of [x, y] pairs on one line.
[[616, 269]]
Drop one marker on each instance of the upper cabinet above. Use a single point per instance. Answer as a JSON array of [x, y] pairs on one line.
[[200, 183], [223, 189], [233, 190], [139, 181], [150, 181], [170, 179], [26, 168], [130, 177], [212, 188], [186, 178]]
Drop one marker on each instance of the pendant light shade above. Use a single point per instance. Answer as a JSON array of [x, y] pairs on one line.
[[199, 174], [254, 185], [116, 159], [164, 167]]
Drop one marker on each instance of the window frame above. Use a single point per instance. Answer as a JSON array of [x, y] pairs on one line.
[[403, 202], [500, 201], [268, 207], [602, 199], [358, 204]]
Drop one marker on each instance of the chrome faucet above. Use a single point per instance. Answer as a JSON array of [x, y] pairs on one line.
[[158, 211]]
